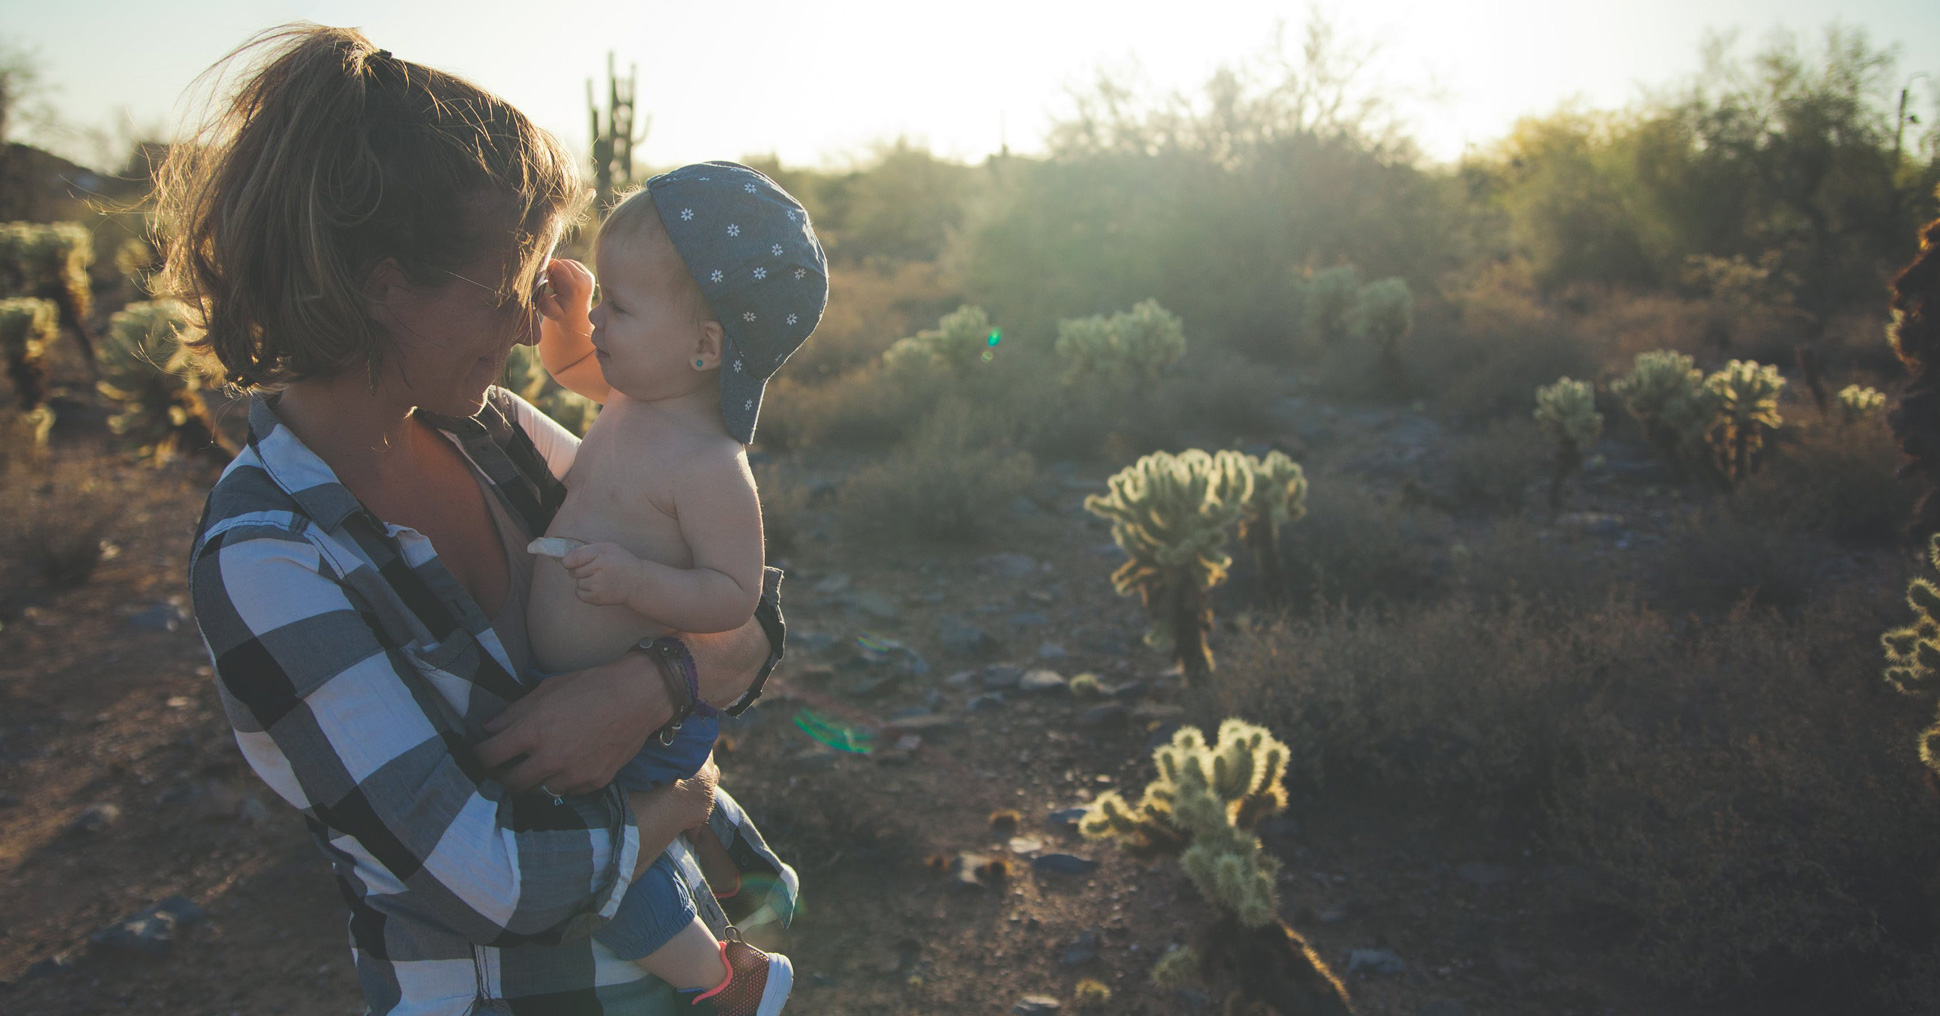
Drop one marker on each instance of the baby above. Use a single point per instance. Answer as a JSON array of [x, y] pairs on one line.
[[710, 276]]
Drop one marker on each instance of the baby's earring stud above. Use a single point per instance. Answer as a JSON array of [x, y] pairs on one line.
[[700, 363]]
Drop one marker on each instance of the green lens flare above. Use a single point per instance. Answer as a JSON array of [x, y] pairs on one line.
[[842, 738], [996, 336]]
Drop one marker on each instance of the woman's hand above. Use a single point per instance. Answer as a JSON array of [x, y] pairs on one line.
[[574, 731]]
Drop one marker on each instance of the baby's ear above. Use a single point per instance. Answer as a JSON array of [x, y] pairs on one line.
[[707, 349]]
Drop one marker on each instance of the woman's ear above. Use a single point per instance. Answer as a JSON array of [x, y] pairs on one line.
[[382, 287], [707, 349]]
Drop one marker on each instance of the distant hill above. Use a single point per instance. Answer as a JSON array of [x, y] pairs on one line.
[[38, 186]]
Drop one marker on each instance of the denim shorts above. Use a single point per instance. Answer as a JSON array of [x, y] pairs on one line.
[[655, 908], [664, 763]]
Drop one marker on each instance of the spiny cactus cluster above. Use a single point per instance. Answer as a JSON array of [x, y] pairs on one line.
[[1169, 514], [1135, 345], [1328, 299], [1913, 652], [961, 339], [1567, 412], [1858, 403], [50, 261], [27, 326], [1384, 312], [1665, 394], [526, 376], [1279, 496], [1203, 809], [150, 376], [1746, 407]]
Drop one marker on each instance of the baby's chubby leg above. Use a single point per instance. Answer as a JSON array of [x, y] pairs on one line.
[[691, 959]]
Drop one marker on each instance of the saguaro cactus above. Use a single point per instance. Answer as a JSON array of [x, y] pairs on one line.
[[1567, 412], [148, 374], [27, 326], [1279, 497], [1746, 407], [1204, 809], [1135, 345], [1169, 514], [50, 261], [613, 143], [1913, 652], [1666, 395], [961, 340]]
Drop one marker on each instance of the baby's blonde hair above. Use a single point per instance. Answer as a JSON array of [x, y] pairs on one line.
[[635, 219]]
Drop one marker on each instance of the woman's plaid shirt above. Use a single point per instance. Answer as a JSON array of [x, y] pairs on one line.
[[358, 675]]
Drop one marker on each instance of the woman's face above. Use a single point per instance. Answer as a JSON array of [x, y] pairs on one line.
[[448, 343]]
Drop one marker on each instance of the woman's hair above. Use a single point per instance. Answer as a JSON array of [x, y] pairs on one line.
[[635, 219], [330, 157]]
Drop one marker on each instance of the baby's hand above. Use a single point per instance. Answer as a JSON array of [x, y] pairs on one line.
[[606, 573], [565, 308]]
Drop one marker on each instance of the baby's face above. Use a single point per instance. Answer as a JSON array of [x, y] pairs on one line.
[[646, 338]]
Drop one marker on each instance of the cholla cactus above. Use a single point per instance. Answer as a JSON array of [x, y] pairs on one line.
[[526, 375], [961, 339], [1327, 303], [1135, 345], [27, 326], [1857, 403], [1203, 808], [50, 261], [1384, 312], [1567, 412], [1913, 652], [150, 376], [1279, 497], [1745, 407], [1666, 395], [1169, 514]]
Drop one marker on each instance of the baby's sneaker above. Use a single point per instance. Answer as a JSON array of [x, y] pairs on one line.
[[757, 984]]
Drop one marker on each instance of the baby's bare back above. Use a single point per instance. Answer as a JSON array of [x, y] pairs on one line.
[[619, 490]]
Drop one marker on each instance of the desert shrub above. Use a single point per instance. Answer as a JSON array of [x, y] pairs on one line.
[[785, 501], [1501, 342], [944, 484], [526, 375], [1360, 548], [1835, 481], [1328, 300], [1490, 470], [870, 307], [1739, 811], [864, 408], [1719, 557], [1515, 560], [53, 518]]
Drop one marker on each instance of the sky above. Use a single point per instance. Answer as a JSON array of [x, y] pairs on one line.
[[823, 84]]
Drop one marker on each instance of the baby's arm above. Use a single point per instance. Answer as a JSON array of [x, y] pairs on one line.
[[566, 331], [720, 520]]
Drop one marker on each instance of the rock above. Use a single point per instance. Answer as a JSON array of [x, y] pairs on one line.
[[1032, 1004], [1333, 915], [1084, 949], [9, 800], [1065, 819], [252, 810], [1041, 682], [95, 818], [1051, 651], [811, 641], [59, 963], [1161, 734], [988, 702], [876, 605], [1111, 714], [1130, 691], [1443, 1007], [151, 932], [961, 678], [1591, 523], [1374, 961], [1064, 864], [876, 651], [924, 722], [963, 872], [1025, 508], [162, 617], [999, 677], [833, 583], [215, 801], [1482, 875], [1194, 1000], [1029, 619], [1008, 565], [1025, 844], [961, 638]]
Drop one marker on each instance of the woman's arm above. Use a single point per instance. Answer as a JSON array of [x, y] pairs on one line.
[[332, 716]]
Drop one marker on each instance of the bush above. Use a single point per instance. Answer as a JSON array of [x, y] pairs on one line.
[[943, 485], [1490, 471], [1359, 548], [865, 408], [1741, 796], [1835, 481], [1718, 558], [51, 525]]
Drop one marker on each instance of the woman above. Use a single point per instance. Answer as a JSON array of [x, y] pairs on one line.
[[365, 238]]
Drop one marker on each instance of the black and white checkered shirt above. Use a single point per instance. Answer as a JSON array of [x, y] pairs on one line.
[[358, 674]]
